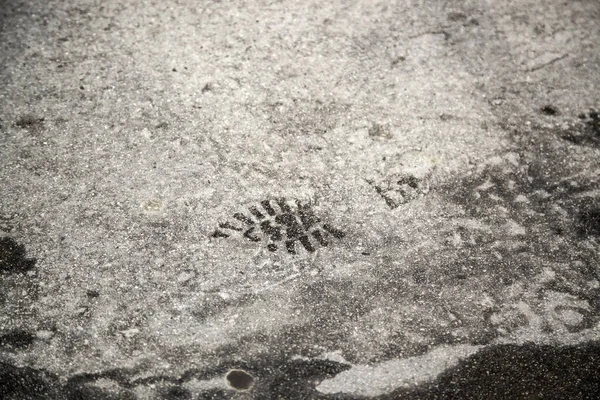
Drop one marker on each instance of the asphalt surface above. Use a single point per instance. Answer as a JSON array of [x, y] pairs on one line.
[[295, 200]]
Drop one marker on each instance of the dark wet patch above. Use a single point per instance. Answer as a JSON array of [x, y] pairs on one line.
[[239, 379], [214, 394], [529, 193], [174, 393], [504, 371], [98, 393], [456, 16], [16, 339], [296, 379], [517, 372], [278, 374], [13, 258], [291, 222], [30, 122], [82, 386], [593, 299], [18, 383], [587, 133], [589, 222], [380, 131], [537, 209], [268, 376], [6, 224], [214, 305], [92, 294]]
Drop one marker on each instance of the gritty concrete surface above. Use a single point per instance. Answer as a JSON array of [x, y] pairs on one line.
[[297, 200]]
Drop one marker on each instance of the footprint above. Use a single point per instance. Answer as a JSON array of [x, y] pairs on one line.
[[400, 190], [280, 220]]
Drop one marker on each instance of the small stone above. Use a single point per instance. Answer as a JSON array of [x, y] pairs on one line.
[[129, 333], [485, 185], [185, 276], [146, 133], [570, 316], [224, 296], [81, 310], [44, 334], [521, 199], [514, 229], [548, 275], [152, 205]]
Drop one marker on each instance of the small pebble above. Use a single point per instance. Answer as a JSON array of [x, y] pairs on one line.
[[185, 276], [129, 333], [44, 334]]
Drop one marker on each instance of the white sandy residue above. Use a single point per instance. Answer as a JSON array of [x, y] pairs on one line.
[[375, 380]]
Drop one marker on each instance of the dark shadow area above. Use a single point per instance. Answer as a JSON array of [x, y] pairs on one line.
[[16, 339], [12, 257], [27, 383], [518, 372]]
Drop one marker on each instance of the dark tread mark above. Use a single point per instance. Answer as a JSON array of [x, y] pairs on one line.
[[336, 233], [273, 231], [227, 225], [306, 215], [306, 243], [272, 247], [399, 190], [267, 206], [410, 181], [294, 222], [294, 229], [283, 205], [256, 213], [248, 234], [241, 217], [219, 234], [320, 238]]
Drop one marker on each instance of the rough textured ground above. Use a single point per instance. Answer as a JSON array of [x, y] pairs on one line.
[[293, 200]]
